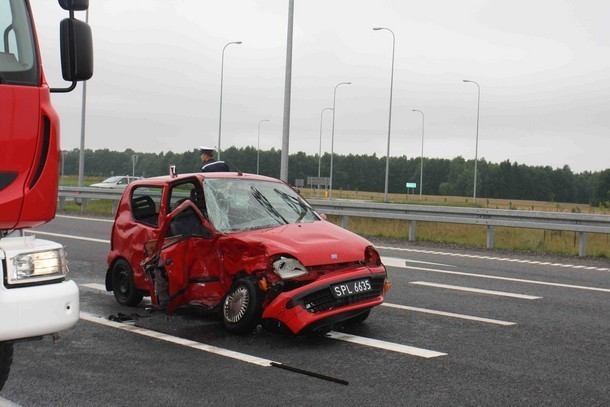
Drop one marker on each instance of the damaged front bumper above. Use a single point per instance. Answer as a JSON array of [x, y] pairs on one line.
[[314, 306]]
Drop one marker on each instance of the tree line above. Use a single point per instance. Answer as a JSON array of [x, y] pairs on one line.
[[506, 180]]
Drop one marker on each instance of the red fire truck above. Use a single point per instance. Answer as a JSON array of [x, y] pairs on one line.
[[35, 297]]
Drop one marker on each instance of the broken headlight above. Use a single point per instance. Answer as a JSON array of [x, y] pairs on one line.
[[288, 268], [38, 266]]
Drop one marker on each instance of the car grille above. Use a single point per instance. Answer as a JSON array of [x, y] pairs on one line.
[[323, 300]]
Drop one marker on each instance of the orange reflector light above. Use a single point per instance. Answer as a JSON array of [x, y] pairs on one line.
[[262, 284], [387, 284]]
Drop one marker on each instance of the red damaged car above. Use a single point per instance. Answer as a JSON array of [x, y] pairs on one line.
[[248, 246]]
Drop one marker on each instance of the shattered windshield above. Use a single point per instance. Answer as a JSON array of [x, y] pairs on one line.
[[237, 204]]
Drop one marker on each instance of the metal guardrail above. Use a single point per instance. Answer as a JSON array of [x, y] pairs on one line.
[[491, 218]]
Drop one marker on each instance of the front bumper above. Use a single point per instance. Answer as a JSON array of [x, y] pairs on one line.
[[313, 305], [38, 310]]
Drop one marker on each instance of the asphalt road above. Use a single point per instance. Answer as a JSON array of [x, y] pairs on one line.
[[459, 327]]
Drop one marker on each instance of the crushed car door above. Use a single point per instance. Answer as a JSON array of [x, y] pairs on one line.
[[185, 257]]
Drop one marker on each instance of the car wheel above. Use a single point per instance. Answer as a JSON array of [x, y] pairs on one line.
[[359, 318], [6, 358], [123, 286], [241, 310]]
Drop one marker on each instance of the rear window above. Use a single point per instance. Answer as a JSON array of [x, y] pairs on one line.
[[145, 204]]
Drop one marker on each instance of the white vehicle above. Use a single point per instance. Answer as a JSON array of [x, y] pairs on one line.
[[35, 298], [118, 182]]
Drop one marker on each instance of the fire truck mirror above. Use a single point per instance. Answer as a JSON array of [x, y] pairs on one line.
[[76, 50], [74, 5]]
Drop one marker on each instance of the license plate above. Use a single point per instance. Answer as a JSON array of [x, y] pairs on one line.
[[351, 288]]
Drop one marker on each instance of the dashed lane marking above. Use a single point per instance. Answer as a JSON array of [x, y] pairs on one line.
[[400, 263], [395, 347], [449, 314], [426, 262], [506, 259], [476, 290]]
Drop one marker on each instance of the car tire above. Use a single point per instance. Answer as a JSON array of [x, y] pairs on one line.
[[123, 285], [241, 309], [360, 318], [6, 359]]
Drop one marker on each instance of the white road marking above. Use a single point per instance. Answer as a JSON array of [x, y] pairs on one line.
[[95, 286], [178, 341], [426, 262], [83, 218], [472, 256], [400, 263], [334, 335], [449, 314], [88, 239], [7, 403], [379, 247], [476, 290], [394, 347]]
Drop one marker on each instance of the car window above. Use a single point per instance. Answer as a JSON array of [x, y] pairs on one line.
[[237, 205], [145, 204], [190, 189]]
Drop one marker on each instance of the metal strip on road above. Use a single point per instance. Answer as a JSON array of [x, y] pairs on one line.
[[449, 314], [476, 290], [178, 341], [400, 263], [394, 347]]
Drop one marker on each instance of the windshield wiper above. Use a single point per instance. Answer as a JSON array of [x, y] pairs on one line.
[[296, 204], [267, 205]]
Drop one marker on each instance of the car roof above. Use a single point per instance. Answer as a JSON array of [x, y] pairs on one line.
[[167, 179]]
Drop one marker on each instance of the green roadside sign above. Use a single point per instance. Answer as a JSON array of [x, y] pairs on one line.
[[411, 185]]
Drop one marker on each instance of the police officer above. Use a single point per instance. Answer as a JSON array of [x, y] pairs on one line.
[[210, 164]]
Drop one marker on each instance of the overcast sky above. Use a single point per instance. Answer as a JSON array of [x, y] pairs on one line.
[[543, 67]]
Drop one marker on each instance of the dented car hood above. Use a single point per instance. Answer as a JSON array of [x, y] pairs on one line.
[[313, 244]]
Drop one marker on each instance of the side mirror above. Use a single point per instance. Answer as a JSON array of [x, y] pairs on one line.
[[74, 5], [323, 216], [76, 49]]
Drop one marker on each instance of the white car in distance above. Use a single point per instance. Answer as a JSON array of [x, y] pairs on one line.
[[116, 182]]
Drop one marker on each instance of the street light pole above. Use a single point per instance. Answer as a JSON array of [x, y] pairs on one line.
[[134, 160], [63, 163], [387, 160], [83, 115], [332, 139], [476, 149], [320, 149], [258, 145], [222, 66], [421, 170], [287, 96]]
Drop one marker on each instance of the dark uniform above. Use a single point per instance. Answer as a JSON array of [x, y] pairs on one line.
[[213, 165], [210, 164]]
